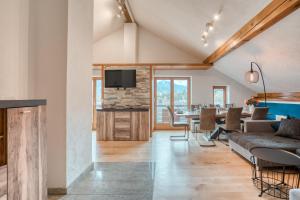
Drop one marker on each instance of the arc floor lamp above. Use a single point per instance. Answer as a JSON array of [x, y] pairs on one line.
[[252, 76]]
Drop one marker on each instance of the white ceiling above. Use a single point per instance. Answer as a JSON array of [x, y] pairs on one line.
[[181, 21], [105, 19], [276, 50]]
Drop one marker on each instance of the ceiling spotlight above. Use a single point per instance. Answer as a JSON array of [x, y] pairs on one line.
[[217, 17], [205, 33], [203, 37], [118, 15], [205, 43], [210, 26], [120, 7]]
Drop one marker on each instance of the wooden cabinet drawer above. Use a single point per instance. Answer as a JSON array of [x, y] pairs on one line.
[[122, 126]]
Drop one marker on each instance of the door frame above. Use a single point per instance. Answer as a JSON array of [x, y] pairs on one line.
[[94, 80], [171, 78]]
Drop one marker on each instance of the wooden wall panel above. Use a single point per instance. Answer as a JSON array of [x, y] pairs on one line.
[[3, 137], [3, 181], [23, 156], [42, 130], [135, 122], [144, 126], [105, 126], [279, 96]]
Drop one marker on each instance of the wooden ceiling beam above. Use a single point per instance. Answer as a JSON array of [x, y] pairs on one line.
[[271, 14], [162, 66], [126, 10]]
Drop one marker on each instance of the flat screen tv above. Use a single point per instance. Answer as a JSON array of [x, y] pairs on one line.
[[120, 78]]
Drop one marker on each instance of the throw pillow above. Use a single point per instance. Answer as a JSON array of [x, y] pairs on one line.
[[289, 128], [275, 126]]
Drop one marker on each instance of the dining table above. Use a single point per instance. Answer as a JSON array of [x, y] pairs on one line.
[[219, 115], [189, 115]]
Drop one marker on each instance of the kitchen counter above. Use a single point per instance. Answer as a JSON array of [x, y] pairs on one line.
[[22, 103]]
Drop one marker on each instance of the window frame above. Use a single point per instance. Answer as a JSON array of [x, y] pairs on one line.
[[224, 88], [94, 80]]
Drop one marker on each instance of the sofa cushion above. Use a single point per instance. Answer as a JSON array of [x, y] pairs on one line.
[[258, 139], [289, 128]]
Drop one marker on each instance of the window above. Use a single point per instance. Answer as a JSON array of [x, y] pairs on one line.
[[219, 95], [173, 92], [97, 97]]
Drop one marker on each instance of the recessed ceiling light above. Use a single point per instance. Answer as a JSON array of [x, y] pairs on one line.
[[210, 26], [120, 7], [217, 17], [118, 15], [205, 33]]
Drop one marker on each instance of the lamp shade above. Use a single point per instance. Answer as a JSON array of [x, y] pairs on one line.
[[252, 76]]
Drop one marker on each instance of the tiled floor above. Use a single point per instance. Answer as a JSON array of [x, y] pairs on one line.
[[183, 171], [125, 181]]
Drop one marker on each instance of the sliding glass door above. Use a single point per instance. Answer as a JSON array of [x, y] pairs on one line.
[[173, 92]]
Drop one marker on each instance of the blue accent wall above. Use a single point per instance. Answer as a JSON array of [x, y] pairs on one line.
[[289, 109]]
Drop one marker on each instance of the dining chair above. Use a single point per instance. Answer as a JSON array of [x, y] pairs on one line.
[[259, 113], [174, 124], [232, 121], [207, 123]]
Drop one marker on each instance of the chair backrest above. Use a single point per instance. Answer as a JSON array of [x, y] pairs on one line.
[[260, 113], [171, 115], [208, 119], [233, 119]]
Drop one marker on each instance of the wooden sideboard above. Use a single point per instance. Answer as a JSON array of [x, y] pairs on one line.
[[23, 150], [123, 124]]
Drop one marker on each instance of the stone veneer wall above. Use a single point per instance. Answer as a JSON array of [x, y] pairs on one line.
[[131, 97]]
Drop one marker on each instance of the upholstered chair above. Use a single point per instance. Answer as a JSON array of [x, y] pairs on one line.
[[260, 113], [233, 120]]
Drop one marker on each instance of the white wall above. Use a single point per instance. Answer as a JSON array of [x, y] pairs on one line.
[[14, 49], [204, 80], [150, 49], [79, 90], [60, 60], [46, 52], [153, 49], [110, 48], [48, 61]]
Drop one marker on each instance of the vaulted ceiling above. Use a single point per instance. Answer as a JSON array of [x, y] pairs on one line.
[[180, 22], [105, 19]]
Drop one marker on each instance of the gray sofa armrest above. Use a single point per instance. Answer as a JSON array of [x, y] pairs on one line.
[[258, 126]]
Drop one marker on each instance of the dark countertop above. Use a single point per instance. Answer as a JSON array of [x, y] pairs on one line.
[[22, 103], [123, 109]]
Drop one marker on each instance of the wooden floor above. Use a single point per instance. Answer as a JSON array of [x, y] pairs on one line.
[[186, 171]]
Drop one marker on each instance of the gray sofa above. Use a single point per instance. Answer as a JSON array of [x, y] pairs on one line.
[[259, 133]]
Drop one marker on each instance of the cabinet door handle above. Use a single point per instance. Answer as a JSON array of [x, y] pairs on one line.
[[25, 112]]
